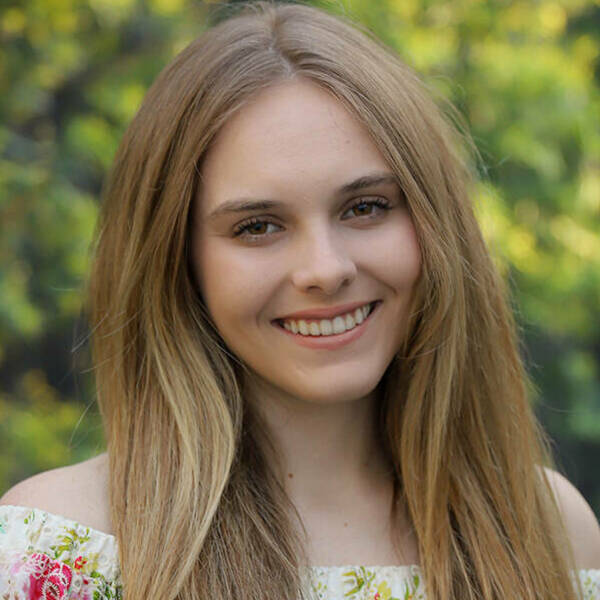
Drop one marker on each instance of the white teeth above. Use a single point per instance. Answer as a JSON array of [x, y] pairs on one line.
[[339, 325], [314, 329], [329, 326], [326, 327]]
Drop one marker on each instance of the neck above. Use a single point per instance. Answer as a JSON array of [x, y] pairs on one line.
[[334, 470], [327, 454]]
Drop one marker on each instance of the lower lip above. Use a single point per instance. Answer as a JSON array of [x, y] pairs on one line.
[[330, 342]]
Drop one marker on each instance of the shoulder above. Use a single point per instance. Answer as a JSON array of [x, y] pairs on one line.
[[581, 523], [78, 492]]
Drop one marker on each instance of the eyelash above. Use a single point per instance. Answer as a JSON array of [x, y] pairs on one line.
[[241, 230]]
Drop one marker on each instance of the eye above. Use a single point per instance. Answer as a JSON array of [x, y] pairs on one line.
[[368, 208], [254, 228], [257, 229]]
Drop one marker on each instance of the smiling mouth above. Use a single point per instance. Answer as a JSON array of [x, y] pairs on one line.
[[329, 327]]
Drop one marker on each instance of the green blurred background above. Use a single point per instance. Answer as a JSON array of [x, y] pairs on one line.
[[524, 74]]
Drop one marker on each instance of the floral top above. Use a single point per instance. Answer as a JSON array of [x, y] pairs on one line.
[[48, 557]]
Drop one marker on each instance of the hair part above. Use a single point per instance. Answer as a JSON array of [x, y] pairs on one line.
[[198, 507]]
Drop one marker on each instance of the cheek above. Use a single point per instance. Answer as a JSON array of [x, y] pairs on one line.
[[395, 255], [233, 283]]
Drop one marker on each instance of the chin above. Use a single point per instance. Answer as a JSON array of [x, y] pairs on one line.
[[335, 394]]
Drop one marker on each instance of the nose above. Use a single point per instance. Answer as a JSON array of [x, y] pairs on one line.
[[323, 264]]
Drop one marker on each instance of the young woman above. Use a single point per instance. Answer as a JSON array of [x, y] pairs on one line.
[[305, 360]]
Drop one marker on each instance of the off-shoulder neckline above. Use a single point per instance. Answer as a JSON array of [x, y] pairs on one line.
[[328, 568], [113, 539], [58, 517]]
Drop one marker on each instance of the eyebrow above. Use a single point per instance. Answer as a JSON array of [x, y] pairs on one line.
[[249, 204]]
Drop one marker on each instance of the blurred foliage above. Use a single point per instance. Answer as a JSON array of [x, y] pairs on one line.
[[524, 74]]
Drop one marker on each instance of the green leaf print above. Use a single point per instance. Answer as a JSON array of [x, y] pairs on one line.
[[409, 593], [69, 540], [320, 589], [359, 580]]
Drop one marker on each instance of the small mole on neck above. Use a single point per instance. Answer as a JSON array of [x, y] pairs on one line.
[[345, 524], [290, 475]]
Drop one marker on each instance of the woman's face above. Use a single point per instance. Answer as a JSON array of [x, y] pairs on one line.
[[292, 245]]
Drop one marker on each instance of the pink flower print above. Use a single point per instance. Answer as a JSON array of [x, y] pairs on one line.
[[79, 562], [376, 596], [37, 565], [49, 579]]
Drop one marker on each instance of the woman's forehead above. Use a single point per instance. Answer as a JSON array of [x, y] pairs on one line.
[[295, 134]]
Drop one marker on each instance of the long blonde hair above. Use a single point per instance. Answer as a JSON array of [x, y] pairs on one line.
[[198, 510]]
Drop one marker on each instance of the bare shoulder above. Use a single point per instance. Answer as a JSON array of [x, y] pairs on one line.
[[78, 492], [580, 521]]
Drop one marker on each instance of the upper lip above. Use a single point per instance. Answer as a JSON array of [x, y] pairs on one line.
[[326, 313]]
